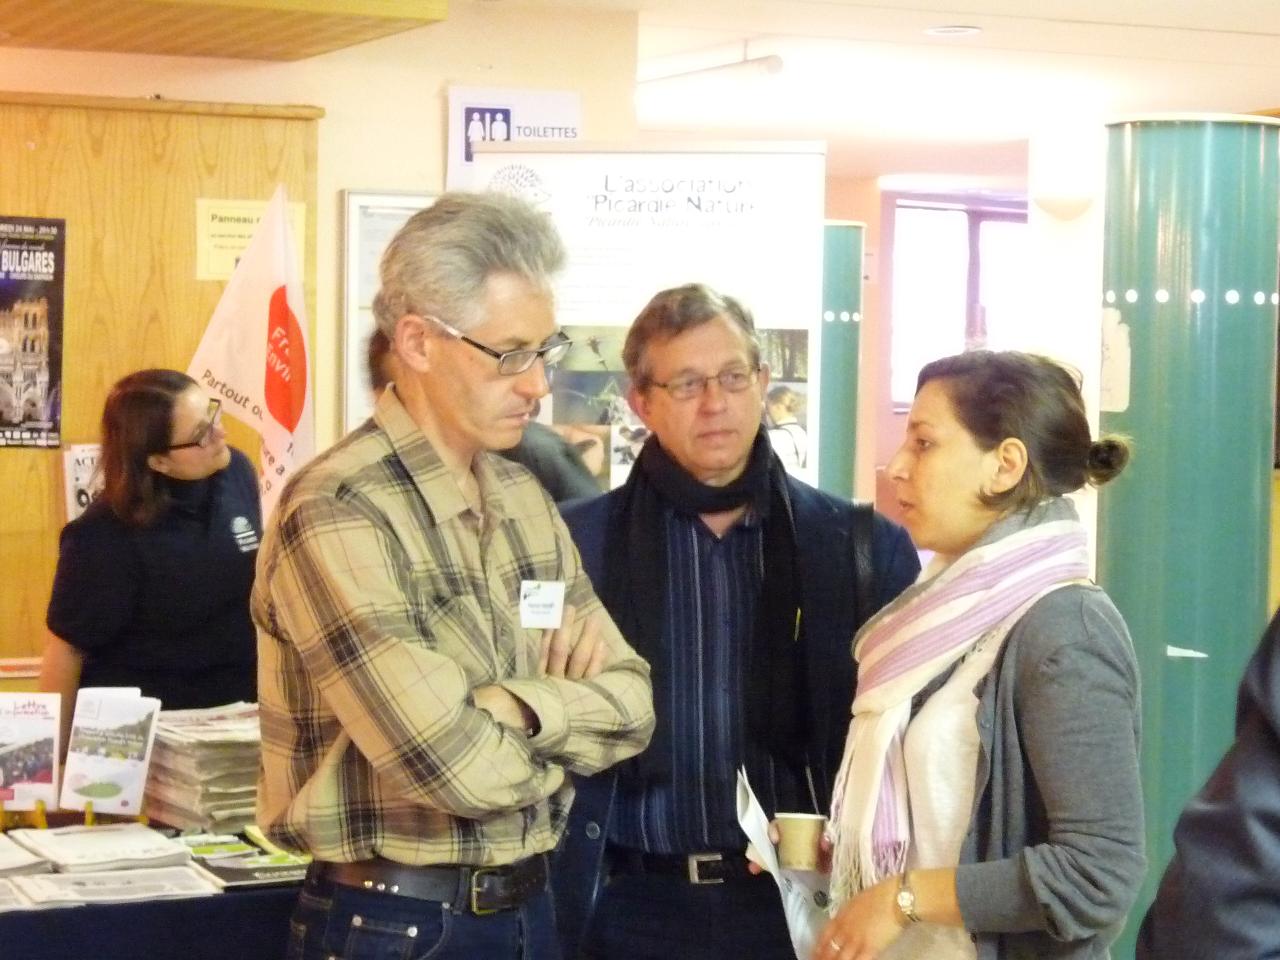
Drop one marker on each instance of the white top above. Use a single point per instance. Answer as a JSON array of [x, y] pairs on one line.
[[791, 443], [941, 753]]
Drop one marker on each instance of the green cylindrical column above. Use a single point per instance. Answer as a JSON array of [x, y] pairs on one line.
[[841, 324], [1189, 373]]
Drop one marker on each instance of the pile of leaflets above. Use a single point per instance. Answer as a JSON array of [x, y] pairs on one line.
[[109, 846], [204, 768], [16, 859], [110, 863], [110, 886], [230, 862]]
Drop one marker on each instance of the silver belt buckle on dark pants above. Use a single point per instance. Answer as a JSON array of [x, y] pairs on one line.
[[696, 860]]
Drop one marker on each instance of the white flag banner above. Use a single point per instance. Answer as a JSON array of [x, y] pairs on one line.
[[253, 356]]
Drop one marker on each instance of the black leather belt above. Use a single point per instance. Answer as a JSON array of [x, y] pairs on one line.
[[715, 866], [478, 890]]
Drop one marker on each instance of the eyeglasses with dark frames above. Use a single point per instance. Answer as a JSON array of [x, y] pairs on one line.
[[733, 380], [514, 362], [205, 431]]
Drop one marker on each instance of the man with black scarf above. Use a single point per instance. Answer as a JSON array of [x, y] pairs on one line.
[[743, 588]]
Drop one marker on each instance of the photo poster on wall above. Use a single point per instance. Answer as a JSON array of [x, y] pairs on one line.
[[32, 275], [743, 218], [372, 219], [81, 477]]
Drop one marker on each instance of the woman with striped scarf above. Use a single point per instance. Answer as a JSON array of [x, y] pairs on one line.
[[989, 803]]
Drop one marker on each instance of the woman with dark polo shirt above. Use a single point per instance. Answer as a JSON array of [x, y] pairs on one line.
[[152, 586]]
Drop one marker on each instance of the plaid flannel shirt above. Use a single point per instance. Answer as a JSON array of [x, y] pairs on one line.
[[381, 601]]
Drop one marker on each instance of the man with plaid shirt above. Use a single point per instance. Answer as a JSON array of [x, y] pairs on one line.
[[421, 712]]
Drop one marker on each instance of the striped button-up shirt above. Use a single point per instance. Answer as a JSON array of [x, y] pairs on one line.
[[713, 587], [381, 601]]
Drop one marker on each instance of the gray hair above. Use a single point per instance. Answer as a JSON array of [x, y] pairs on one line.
[[440, 260], [672, 312]]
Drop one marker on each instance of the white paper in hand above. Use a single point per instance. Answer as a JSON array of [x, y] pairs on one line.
[[804, 892]]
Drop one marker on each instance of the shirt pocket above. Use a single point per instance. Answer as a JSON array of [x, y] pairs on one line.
[[454, 625]]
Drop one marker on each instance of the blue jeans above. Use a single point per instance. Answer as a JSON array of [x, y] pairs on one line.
[[665, 918], [336, 922]]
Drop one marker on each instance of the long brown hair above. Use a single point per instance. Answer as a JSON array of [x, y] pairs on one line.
[[137, 421]]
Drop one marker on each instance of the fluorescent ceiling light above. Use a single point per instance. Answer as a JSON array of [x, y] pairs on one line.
[[953, 30], [747, 67]]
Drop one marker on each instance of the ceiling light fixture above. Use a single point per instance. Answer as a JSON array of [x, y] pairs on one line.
[[953, 30], [746, 67]]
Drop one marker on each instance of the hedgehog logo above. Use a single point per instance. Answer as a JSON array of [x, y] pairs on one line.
[[520, 181]]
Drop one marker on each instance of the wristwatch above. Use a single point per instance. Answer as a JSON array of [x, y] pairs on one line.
[[906, 899]]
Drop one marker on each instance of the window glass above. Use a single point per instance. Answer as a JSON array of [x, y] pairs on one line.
[[930, 283], [1002, 282], [959, 283]]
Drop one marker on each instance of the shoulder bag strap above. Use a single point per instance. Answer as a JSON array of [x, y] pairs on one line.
[[863, 568]]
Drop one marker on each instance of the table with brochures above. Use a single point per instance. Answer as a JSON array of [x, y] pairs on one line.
[[248, 924]]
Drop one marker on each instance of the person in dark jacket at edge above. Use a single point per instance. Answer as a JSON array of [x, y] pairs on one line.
[[1219, 898], [742, 587]]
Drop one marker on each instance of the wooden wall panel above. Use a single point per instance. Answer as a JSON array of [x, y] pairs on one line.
[[125, 175]]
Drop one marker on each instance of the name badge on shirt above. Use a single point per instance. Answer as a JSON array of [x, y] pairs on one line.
[[541, 603]]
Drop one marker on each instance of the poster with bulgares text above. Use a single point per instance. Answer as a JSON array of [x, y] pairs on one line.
[[32, 274]]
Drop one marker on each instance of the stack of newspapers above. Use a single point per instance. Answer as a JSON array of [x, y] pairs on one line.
[[204, 768], [110, 863], [16, 859]]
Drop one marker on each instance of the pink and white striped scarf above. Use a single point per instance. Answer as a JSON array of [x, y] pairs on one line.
[[903, 647]]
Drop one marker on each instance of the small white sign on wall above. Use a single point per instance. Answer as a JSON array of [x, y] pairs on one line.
[[224, 229], [480, 115], [1116, 362]]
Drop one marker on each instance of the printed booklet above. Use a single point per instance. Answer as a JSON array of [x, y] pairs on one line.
[[109, 750], [29, 725], [256, 869]]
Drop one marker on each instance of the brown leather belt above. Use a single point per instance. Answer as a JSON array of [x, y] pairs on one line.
[[714, 866], [478, 890]]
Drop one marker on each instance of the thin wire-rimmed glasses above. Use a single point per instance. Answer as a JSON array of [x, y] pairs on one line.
[[733, 380], [514, 362], [205, 431]]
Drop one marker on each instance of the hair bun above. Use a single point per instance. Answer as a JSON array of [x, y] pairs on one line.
[[1108, 455]]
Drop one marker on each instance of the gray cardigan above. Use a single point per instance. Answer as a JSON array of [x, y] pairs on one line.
[[1054, 855]]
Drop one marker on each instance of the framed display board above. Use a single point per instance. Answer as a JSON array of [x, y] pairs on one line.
[[371, 220], [744, 218]]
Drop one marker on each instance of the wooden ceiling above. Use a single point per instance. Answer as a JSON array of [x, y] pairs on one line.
[[241, 29]]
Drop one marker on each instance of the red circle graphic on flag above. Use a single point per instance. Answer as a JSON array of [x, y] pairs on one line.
[[286, 386]]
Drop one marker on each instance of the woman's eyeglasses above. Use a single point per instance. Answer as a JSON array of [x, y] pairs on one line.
[[204, 433]]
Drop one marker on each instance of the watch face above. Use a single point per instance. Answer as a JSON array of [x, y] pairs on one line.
[[906, 900]]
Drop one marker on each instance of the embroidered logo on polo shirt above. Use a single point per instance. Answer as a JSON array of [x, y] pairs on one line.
[[246, 536]]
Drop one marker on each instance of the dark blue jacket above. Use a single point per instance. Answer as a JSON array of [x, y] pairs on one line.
[[824, 541], [1218, 898]]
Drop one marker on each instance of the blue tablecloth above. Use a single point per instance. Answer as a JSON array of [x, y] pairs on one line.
[[235, 925]]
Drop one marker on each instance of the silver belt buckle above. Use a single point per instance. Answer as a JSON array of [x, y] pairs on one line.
[[697, 858]]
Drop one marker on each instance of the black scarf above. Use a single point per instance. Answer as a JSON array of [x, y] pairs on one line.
[[635, 592]]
